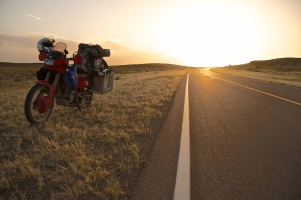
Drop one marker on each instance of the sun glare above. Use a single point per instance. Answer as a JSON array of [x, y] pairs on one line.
[[207, 35]]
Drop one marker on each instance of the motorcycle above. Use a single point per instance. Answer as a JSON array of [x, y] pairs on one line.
[[67, 85]]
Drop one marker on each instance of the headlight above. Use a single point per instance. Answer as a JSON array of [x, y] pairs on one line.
[[49, 61]]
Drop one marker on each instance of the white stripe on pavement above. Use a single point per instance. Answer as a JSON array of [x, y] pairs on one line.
[[182, 187]]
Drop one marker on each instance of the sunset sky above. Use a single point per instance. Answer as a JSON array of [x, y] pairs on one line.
[[191, 32]]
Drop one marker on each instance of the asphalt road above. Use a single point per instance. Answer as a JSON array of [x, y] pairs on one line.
[[244, 144]]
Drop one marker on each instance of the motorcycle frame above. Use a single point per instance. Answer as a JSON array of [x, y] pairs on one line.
[[45, 102]]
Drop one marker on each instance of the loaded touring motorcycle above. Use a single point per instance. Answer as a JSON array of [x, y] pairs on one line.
[[67, 85]]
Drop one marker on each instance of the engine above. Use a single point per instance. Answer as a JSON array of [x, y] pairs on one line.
[[70, 98]]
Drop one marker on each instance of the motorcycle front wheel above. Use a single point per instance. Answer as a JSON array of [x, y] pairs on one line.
[[31, 104]]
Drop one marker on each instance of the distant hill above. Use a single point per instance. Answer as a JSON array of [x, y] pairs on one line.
[[134, 68], [118, 69], [277, 62], [273, 65], [8, 64]]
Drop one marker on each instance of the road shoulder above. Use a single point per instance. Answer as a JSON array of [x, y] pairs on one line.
[[157, 179]]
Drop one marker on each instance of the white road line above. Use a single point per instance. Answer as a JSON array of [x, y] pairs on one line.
[[182, 187]]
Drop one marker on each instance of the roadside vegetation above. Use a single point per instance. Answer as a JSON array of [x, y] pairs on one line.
[[97, 154], [284, 71]]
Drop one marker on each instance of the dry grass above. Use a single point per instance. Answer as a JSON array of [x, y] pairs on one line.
[[284, 75], [92, 155]]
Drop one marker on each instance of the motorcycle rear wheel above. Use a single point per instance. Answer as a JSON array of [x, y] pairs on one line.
[[31, 104]]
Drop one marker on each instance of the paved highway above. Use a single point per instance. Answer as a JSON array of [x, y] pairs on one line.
[[245, 141]]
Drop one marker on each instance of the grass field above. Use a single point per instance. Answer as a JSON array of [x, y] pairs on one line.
[[284, 71], [96, 154]]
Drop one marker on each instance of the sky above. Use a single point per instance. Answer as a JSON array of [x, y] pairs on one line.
[[201, 33]]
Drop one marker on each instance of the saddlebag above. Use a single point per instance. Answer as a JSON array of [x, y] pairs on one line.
[[103, 83], [70, 77]]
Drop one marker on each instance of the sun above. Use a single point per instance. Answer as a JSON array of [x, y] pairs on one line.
[[207, 35]]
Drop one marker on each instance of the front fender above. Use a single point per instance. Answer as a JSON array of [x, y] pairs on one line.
[[52, 89]]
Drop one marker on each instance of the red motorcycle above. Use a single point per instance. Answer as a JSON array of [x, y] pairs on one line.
[[67, 85]]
